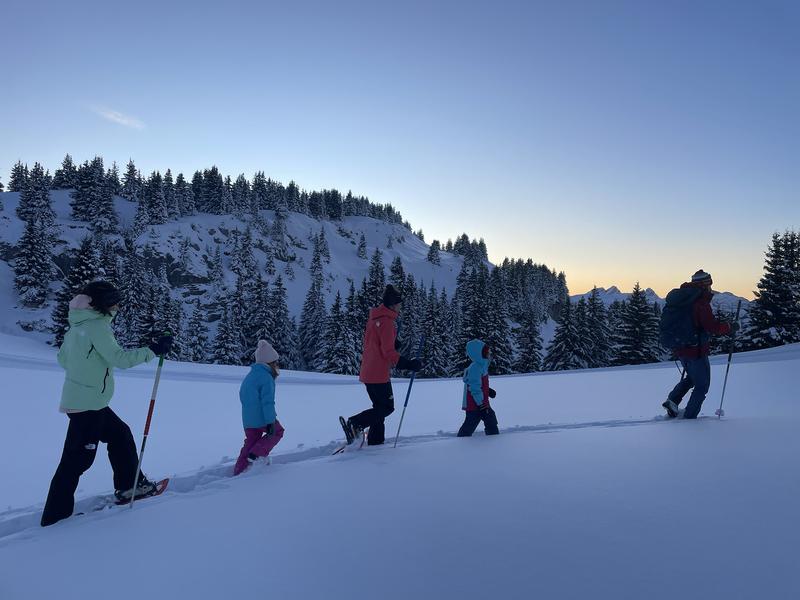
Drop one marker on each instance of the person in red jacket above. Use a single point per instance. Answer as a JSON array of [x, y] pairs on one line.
[[696, 368], [379, 356]]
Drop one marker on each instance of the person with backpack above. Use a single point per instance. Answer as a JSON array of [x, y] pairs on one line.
[[262, 430], [89, 355], [379, 356], [687, 324], [477, 392]]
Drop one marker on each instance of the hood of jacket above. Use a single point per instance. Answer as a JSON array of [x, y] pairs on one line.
[[382, 312], [81, 311], [475, 352]]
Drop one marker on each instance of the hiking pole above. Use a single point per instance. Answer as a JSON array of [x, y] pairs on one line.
[[720, 413], [408, 392], [147, 424]]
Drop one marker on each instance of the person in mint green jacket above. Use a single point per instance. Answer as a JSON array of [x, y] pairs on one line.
[[89, 355]]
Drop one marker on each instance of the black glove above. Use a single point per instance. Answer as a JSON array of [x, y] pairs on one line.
[[405, 364], [734, 327], [162, 345], [492, 393], [270, 429]]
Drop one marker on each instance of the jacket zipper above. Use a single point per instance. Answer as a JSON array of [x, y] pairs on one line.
[[104, 382]]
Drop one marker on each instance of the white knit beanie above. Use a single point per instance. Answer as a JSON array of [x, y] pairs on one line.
[[265, 353]]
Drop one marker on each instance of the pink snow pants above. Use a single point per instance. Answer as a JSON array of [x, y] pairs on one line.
[[256, 442]]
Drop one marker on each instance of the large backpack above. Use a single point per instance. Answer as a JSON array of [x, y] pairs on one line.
[[677, 328]]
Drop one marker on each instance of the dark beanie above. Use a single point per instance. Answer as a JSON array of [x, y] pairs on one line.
[[103, 294], [391, 296], [701, 277]]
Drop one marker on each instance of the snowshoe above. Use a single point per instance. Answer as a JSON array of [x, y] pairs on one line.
[[348, 431], [671, 408], [145, 489]]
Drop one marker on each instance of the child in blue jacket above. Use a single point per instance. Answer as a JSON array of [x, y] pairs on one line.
[[262, 429], [477, 392]]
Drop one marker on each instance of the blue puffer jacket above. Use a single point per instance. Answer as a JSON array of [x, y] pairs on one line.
[[257, 395], [476, 380]]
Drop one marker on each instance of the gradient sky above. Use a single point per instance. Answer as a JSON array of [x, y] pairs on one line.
[[617, 141]]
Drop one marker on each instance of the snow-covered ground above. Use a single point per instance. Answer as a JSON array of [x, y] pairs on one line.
[[586, 494]]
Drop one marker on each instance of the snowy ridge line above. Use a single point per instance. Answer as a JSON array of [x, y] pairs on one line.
[[18, 520]]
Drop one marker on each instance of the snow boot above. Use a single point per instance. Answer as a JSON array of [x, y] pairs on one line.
[[143, 489], [671, 408]]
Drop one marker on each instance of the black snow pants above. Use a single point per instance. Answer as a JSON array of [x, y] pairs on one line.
[[382, 406], [86, 430], [473, 417]]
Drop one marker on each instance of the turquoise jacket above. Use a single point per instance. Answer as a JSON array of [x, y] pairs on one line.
[[89, 355], [474, 375], [257, 395]]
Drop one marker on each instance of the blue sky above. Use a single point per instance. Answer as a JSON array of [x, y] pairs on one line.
[[618, 141]]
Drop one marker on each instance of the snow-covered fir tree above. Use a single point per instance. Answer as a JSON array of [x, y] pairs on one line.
[[33, 265], [433, 253], [228, 346], [335, 352], [131, 183], [282, 333], [563, 352], [376, 279], [34, 199], [497, 332], [313, 319], [18, 180], [66, 177], [638, 331], [774, 315], [83, 270], [361, 252], [528, 339], [195, 336], [598, 332]]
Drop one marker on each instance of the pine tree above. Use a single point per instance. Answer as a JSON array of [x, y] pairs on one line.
[[312, 325], [240, 196], [598, 332], [433, 253], [18, 180], [129, 324], [283, 335], [397, 275], [66, 177], [354, 332], [83, 269], [376, 280], [563, 352], [131, 183], [497, 330], [774, 316], [113, 185], [334, 354], [322, 242], [638, 331], [228, 347], [155, 199], [184, 197], [362, 247], [529, 346], [195, 334], [171, 199], [34, 199], [33, 266], [437, 347]]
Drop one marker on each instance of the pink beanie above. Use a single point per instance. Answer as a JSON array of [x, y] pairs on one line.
[[265, 353]]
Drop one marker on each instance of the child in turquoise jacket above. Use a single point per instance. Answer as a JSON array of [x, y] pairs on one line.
[[477, 392], [262, 430]]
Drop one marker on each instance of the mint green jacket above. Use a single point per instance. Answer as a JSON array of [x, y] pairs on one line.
[[89, 355]]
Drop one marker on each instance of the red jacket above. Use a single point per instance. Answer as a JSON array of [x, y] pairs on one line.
[[379, 354], [705, 322]]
